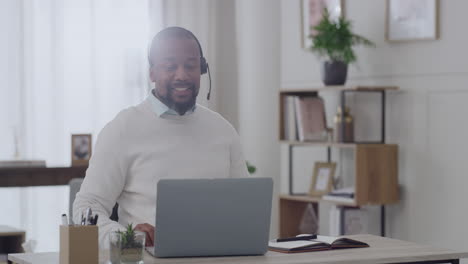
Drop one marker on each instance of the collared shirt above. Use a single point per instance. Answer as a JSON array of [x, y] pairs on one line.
[[159, 108]]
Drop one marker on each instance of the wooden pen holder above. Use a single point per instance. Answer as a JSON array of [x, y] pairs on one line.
[[79, 244]]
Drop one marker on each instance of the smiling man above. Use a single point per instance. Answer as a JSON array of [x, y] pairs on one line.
[[168, 135], [176, 66]]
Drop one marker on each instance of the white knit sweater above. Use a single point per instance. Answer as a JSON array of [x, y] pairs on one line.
[[138, 148]]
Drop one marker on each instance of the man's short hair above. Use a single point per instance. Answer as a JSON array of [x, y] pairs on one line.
[[170, 32]]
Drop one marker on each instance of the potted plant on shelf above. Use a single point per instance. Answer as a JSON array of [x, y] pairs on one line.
[[127, 246], [335, 40]]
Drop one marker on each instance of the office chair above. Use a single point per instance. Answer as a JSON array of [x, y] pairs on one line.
[[75, 185]]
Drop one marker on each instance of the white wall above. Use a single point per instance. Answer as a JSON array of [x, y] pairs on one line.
[[426, 118], [226, 71], [258, 85]]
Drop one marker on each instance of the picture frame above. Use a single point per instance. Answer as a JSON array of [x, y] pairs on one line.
[[411, 20], [81, 149], [311, 14], [322, 178]]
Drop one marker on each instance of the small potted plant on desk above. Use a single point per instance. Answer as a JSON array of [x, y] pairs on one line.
[[127, 246], [335, 40]]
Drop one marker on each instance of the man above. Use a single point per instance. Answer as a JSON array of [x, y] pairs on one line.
[[166, 136]]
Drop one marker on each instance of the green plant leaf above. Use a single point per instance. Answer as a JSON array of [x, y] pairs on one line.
[[335, 39], [250, 168]]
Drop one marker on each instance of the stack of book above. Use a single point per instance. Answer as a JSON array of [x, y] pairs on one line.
[[345, 195], [304, 118]]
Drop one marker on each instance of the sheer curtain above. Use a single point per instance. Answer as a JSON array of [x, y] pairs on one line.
[[81, 62]]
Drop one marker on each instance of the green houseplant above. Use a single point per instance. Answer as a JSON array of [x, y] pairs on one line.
[[251, 168], [334, 40], [127, 246]]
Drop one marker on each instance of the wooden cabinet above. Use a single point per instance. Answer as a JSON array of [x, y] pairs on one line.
[[10, 241], [375, 164], [39, 176], [376, 174]]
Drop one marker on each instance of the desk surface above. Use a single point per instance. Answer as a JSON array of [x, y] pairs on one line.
[[381, 250]]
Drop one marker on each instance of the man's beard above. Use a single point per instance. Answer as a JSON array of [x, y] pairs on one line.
[[179, 107]]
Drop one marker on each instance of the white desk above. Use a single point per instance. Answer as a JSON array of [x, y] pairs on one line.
[[381, 250]]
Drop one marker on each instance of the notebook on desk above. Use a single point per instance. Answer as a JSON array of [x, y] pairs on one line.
[[212, 217], [318, 244]]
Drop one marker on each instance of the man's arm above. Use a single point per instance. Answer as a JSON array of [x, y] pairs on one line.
[[104, 181]]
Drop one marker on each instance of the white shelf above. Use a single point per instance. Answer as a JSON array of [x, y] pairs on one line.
[[319, 144], [310, 199], [339, 88]]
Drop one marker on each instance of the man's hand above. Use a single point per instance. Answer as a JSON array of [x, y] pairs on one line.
[[149, 230]]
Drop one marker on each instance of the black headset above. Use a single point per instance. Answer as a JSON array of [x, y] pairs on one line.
[[204, 67]]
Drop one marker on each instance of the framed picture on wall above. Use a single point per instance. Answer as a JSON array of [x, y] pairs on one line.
[[80, 149], [322, 178], [409, 20], [311, 14]]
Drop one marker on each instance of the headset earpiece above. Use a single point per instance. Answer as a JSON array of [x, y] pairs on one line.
[[203, 65]]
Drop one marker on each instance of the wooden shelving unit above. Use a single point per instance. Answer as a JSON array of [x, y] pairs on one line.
[[10, 240], [342, 90], [376, 164], [291, 208]]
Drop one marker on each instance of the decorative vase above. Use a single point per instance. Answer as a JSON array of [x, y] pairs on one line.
[[344, 131], [334, 72], [123, 251]]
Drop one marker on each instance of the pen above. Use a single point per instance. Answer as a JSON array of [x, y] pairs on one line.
[[95, 219], [298, 238], [89, 214], [64, 219]]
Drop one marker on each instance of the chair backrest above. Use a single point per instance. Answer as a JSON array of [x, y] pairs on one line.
[[75, 185]]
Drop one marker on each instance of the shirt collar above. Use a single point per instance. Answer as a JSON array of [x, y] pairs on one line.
[[159, 108]]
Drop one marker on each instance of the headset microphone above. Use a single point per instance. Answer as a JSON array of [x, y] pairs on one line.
[[209, 77]]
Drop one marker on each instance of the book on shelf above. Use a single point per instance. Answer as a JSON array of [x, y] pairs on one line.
[[345, 195], [22, 163], [310, 116], [335, 221], [304, 118], [289, 115], [319, 244]]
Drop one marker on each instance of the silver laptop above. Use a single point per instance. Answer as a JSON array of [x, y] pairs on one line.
[[212, 217]]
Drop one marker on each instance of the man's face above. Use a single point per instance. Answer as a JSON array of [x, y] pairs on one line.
[[176, 72]]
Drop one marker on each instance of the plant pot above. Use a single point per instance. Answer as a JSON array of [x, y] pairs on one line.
[[334, 72], [126, 253]]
